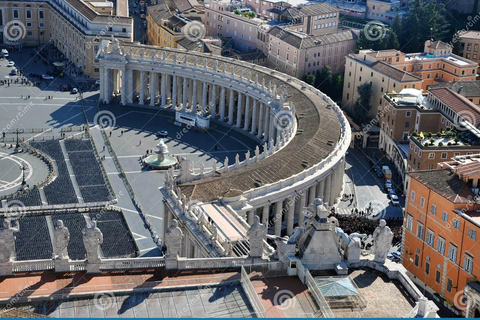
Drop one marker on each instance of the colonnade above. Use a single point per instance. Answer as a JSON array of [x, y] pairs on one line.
[[277, 212], [191, 95]]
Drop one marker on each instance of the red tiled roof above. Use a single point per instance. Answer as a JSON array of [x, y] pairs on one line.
[[446, 183], [459, 104]]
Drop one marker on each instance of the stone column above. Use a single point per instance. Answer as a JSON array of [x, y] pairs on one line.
[[247, 113], [271, 130], [250, 215], [266, 122], [142, 87], [164, 90], [254, 117], [168, 81], [301, 213], [124, 87], [184, 92], [194, 98], [213, 96], [222, 104], [174, 91], [231, 103], [153, 84], [333, 188], [265, 213], [278, 218], [204, 97], [311, 195], [130, 85], [239, 110], [328, 188], [321, 189], [260, 120], [290, 215]]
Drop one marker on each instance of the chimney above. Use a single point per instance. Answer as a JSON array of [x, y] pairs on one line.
[[459, 89]]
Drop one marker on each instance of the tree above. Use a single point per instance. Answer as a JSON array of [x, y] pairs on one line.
[[326, 80], [362, 105], [337, 86], [309, 78]]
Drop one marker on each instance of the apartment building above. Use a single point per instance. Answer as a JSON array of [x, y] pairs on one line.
[[384, 10], [414, 70], [469, 45], [75, 27], [297, 53], [418, 131], [246, 34], [441, 230]]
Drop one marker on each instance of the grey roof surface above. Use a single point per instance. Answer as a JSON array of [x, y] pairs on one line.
[[305, 42], [465, 88]]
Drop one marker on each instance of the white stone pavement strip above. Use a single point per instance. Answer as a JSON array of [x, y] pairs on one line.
[[132, 216]]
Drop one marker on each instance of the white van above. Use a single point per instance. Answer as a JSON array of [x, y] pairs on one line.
[[5, 53]]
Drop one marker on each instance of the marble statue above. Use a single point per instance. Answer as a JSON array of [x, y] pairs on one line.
[[228, 247], [7, 241], [257, 151], [247, 155], [202, 168], [256, 236], [92, 239], [382, 237], [225, 164], [173, 239], [61, 237], [214, 167], [237, 159]]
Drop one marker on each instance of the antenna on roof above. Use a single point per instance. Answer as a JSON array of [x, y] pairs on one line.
[[431, 34]]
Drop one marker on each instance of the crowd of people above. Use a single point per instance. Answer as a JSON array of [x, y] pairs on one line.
[[351, 224]]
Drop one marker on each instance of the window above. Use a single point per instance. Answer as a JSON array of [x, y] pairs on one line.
[[408, 114], [420, 230], [28, 14], [422, 202], [430, 238], [15, 13], [413, 195], [417, 260], [433, 209], [438, 276], [407, 124], [456, 223], [409, 222], [444, 216], [431, 155], [449, 285], [41, 14], [427, 268], [441, 245], [468, 263], [452, 252], [472, 234]]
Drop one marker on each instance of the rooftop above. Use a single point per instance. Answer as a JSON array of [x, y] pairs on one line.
[[470, 35], [393, 72], [446, 183], [303, 41], [464, 88], [459, 104]]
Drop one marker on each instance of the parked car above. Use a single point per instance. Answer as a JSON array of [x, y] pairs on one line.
[[162, 133], [13, 72], [388, 184], [74, 91], [10, 64], [391, 193], [5, 53], [143, 16], [97, 82], [394, 199], [47, 77]]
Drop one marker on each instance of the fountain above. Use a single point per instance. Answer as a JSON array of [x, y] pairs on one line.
[[162, 160]]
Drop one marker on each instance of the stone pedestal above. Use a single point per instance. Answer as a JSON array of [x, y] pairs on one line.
[[6, 269], [62, 265], [93, 267], [352, 251], [171, 263]]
